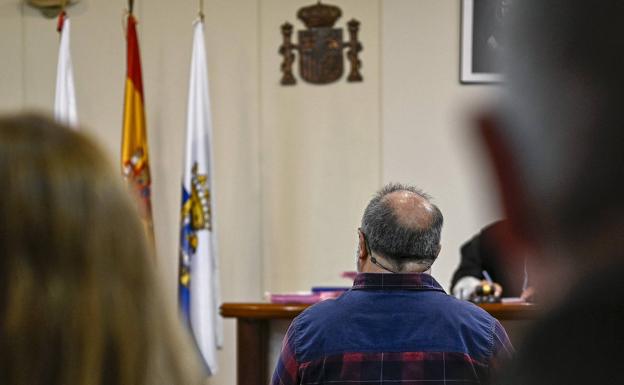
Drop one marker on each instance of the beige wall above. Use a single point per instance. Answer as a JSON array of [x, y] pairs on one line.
[[427, 138], [320, 156], [295, 166]]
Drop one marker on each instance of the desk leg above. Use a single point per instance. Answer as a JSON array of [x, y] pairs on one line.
[[252, 351]]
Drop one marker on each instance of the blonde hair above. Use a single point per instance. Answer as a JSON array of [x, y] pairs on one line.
[[80, 302]]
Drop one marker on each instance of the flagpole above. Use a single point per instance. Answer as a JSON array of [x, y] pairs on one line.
[[130, 6], [200, 13]]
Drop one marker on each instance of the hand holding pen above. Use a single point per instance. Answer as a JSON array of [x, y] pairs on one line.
[[498, 289]]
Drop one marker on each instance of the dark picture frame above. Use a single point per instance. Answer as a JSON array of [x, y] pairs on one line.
[[481, 40]]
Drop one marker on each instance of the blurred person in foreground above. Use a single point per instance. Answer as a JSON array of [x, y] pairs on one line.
[[557, 144], [80, 301], [396, 324]]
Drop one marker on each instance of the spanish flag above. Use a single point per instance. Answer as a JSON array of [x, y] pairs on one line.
[[134, 154]]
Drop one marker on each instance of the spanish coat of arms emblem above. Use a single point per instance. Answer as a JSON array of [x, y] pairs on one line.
[[320, 47]]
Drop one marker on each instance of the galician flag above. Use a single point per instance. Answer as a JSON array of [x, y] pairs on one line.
[[134, 154], [199, 269], [65, 96]]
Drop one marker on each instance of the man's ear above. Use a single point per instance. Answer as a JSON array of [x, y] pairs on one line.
[[506, 171], [362, 250]]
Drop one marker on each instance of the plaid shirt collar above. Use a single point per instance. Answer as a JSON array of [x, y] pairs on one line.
[[397, 281]]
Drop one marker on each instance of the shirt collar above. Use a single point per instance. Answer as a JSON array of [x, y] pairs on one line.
[[398, 281]]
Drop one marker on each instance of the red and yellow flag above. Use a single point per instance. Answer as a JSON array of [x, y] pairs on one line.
[[134, 154]]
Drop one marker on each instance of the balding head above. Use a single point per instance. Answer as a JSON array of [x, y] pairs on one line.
[[412, 210], [403, 226]]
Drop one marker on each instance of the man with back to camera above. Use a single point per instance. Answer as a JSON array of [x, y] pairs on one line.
[[396, 324]]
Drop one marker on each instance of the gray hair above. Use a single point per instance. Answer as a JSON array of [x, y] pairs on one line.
[[399, 243]]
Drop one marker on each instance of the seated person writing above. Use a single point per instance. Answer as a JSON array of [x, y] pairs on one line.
[[484, 263]]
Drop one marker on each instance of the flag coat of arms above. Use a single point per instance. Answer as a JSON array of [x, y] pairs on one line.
[[134, 153], [65, 94], [199, 271]]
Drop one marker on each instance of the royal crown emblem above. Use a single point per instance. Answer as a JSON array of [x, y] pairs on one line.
[[137, 175], [196, 216], [196, 212]]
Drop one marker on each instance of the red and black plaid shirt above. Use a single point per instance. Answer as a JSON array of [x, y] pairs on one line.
[[392, 329]]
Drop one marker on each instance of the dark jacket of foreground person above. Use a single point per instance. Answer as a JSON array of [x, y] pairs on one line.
[[581, 341]]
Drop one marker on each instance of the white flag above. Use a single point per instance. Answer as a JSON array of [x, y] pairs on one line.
[[199, 270], [65, 97]]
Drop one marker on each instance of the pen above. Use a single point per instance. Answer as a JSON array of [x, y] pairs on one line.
[[487, 277], [525, 282]]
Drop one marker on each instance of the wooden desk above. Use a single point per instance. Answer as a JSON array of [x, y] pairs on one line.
[[252, 331]]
